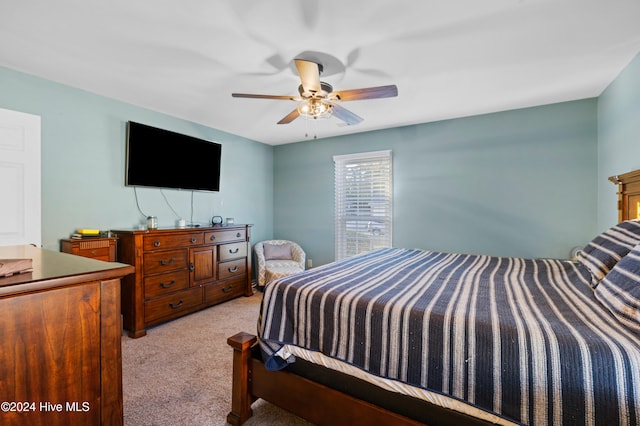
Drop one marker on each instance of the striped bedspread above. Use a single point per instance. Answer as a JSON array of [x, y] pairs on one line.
[[522, 338]]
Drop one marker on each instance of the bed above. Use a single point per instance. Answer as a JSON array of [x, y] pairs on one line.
[[400, 336]]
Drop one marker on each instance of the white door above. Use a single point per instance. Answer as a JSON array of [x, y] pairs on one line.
[[19, 179]]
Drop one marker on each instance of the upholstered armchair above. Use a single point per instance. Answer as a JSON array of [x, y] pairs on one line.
[[278, 258]]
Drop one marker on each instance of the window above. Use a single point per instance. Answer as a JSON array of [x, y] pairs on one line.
[[363, 202]]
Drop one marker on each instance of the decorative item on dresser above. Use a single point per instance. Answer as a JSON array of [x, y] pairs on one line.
[[95, 248], [180, 271], [60, 337]]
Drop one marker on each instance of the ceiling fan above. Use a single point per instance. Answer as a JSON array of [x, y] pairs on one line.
[[317, 98]]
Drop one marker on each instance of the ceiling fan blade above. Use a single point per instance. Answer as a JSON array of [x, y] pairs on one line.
[[346, 115], [366, 93], [290, 117], [250, 95], [309, 75]]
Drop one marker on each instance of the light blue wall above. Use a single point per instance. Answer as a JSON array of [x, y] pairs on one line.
[[618, 137], [83, 153], [515, 183], [511, 183]]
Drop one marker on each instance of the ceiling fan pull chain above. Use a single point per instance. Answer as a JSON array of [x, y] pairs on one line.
[[315, 133], [306, 127]]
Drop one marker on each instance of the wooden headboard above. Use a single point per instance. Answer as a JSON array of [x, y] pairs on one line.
[[628, 195]]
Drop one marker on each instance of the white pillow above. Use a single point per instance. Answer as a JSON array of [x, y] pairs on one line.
[[277, 251]]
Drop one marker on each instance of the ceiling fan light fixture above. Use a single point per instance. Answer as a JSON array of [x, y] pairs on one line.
[[317, 98], [315, 108]]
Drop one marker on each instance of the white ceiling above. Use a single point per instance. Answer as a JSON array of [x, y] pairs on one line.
[[449, 59]]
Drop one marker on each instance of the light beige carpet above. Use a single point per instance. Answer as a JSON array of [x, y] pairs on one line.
[[180, 372]]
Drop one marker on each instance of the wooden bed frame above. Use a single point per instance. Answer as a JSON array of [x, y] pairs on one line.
[[316, 402], [628, 195], [321, 404], [301, 396]]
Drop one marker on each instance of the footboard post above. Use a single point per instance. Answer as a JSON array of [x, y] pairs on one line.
[[240, 394]]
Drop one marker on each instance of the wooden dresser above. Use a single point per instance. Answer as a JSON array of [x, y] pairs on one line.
[[180, 271], [95, 248], [60, 334]]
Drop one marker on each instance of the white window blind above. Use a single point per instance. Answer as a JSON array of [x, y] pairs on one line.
[[364, 198]]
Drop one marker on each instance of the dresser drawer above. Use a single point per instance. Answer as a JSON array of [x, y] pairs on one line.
[[172, 304], [158, 242], [165, 261], [98, 254], [232, 251], [223, 290], [232, 268], [94, 249], [98, 248], [157, 285], [225, 236]]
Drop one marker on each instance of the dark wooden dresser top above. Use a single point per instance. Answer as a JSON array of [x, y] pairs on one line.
[[54, 269]]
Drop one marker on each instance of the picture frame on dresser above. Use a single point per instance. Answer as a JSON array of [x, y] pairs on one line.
[[180, 271]]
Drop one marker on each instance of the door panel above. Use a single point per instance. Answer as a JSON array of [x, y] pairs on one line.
[[20, 178]]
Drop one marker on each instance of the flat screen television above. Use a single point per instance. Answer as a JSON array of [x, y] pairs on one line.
[[165, 159]]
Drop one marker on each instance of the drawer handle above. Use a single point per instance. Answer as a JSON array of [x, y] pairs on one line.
[[165, 263], [212, 238], [193, 240], [228, 289], [177, 305], [234, 269], [156, 243], [234, 251], [192, 267], [238, 234], [169, 285], [94, 252]]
